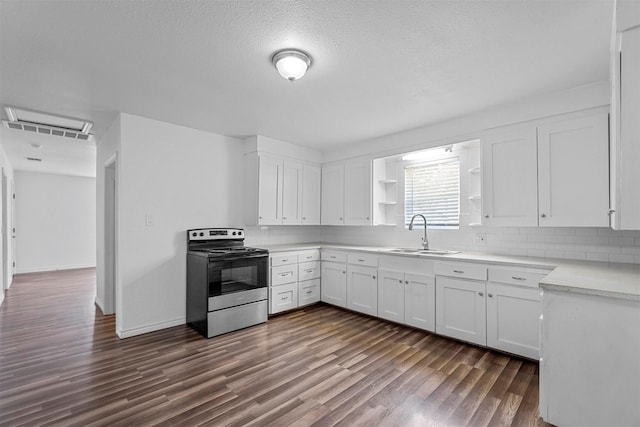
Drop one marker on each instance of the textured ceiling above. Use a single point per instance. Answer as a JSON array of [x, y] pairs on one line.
[[379, 66]]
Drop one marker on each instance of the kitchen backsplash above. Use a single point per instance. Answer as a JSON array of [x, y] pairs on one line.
[[597, 244]]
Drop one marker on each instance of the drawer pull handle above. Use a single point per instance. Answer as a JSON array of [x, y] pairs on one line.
[[406, 282], [360, 260], [399, 281], [459, 271], [344, 272], [332, 257], [286, 274], [373, 277], [309, 257], [518, 278], [308, 271], [284, 298], [490, 295], [481, 294], [308, 292]]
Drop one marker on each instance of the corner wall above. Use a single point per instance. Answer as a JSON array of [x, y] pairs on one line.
[[8, 240]]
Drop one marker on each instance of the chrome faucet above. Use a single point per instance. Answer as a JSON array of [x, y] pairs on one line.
[[425, 241]]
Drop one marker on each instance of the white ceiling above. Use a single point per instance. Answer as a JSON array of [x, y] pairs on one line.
[[379, 67]]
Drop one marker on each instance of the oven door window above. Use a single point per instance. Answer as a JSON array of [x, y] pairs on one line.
[[236, 275]]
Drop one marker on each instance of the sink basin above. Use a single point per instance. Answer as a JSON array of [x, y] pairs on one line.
[[422, 251]]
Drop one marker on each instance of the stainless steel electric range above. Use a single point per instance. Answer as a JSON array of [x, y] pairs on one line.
[[226, 281]]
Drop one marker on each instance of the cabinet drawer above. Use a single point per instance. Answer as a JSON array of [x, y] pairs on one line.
[[515, 277], [283, 298], [284, 274], [308, 292], [307, 256], [308, 270], [363, 259], [283, 259], [334, 256], [462, 270]]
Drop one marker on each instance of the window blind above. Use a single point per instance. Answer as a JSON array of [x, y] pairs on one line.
[[433, 189]]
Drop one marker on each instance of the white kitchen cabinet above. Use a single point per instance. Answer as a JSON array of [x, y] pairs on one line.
[[552, 173], [509, 177], [269, 190], [407, 298], [333, 283], [391, 297], [625, 126], [310, 196], [513, 314], [291, 193], [283, 297], [362, 289], [308, 292], [280, 191], [332, 205], [461, 309], [357, 192], [419, 301], [573, 172]]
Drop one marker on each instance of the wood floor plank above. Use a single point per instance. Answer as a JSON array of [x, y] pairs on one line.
[[61, 364]]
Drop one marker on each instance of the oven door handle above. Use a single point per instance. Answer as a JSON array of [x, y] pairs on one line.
[[236, 258]]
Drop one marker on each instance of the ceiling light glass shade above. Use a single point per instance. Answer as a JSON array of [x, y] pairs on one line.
[[291, 64]]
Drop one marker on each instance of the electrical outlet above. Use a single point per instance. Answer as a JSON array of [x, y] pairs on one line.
[[480, 239], [148, 220]]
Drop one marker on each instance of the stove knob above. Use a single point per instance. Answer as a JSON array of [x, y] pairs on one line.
[[239, 233], [201, 234], [234, 233], [194, 234]]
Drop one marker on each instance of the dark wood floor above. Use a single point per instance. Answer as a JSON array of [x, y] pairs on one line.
[[61, 364]]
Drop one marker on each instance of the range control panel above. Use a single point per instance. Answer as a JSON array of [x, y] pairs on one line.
[[201, 234]]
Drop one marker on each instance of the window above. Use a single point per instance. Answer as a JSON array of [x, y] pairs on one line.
[[433, 189]]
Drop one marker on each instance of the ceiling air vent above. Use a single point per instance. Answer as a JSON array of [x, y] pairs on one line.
[[48, 124]]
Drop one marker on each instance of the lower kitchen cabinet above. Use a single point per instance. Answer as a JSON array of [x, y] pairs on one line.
[[461, 309], [407, 298], [362, 289], [513, 319], [308, 292], [283, 297], [333, 279]]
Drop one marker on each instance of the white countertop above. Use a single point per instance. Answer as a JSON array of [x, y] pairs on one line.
[[614, 280]]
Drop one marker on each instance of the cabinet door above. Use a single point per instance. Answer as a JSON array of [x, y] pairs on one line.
[[510, 177], [391, 295], [362, 289], [333, 194], [420, 301], [308, 292], [269, 191], [333, 281], [357, 200], [573, 172], [461, 309], [291, 193], [283, 297], [513, 315], [310, 200]]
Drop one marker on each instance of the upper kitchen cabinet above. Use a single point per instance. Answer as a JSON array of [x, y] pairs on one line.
[[346, 192], [550, 173], [625, 126], [280, 190]]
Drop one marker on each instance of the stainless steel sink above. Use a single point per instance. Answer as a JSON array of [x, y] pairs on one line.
[[422, 251]]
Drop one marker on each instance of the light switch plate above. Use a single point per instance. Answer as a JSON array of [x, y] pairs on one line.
[[148, 220]]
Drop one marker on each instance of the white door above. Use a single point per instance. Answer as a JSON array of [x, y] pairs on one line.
[[362, 289], [357, 197], [269, 191], [420, 301], [513, 315], [573, 172], [461, 309], [391, 295], [333, 283], [509, 177], [291, 193], [333, 194], [311, 191]]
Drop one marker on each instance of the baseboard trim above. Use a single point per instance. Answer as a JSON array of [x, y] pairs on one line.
[[127, 333], [56, 268]]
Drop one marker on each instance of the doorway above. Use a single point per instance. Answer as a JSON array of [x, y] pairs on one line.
[[110, 228]]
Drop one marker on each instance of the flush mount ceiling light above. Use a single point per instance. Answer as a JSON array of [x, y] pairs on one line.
[[292, 64], [48, 124]]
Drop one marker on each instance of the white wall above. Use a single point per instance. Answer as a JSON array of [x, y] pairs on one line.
[[8, 171], [55, 222], [183, 178]]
